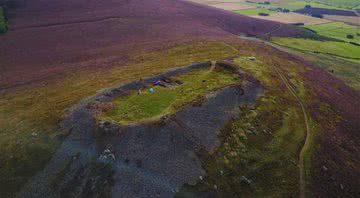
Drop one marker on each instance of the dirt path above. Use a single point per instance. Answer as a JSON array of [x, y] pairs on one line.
[[307, 139], [306, 119]]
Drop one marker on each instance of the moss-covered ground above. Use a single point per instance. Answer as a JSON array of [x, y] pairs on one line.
[[148, 106]]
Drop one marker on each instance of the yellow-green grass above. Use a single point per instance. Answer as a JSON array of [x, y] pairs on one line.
[[252, 12], [339, 49], [3, 22], [39, 109], [151, 106], [337, 30]]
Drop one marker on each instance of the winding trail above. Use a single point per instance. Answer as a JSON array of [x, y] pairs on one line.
[[306, 145], [306, 119]]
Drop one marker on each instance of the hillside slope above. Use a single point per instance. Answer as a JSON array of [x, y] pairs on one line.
[[47, 38]]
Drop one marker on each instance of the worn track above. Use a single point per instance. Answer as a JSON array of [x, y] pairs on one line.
[[306, 145]]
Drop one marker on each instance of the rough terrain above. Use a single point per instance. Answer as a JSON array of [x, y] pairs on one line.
[[144, 160]]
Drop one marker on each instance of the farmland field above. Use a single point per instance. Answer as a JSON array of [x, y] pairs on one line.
[[291, 18], [337, 30], [344, 50], [301, 4], [349, 4], [295, 5], [232, 6], [252, 12], [322, 11], [352, 20]]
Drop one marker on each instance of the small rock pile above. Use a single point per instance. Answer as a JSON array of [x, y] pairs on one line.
[[107, 156], [108, 128]]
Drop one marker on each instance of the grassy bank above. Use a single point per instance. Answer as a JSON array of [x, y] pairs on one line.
[[150, 106]]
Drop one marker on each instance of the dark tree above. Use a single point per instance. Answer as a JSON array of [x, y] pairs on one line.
[[350, 36]]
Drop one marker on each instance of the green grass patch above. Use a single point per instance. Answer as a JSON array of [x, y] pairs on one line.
[[3, 21], [337, 30], [150, 106], [253, 12], [340, 49]]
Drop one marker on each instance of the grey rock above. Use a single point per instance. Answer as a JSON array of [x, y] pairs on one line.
[[245, 180]]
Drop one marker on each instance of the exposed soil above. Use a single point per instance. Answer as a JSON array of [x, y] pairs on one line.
[[143, 160]]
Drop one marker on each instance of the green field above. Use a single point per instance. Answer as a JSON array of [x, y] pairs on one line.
[[337, 30], [350, 4], [252, 12], [150, 106], [3, 23], [339, 49], [296, 5]]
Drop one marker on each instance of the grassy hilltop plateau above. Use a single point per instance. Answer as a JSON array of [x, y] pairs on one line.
[[180, 98]]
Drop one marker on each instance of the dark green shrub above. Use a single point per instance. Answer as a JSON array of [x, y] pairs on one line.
[[350, 36], [317, 15], [263, 14], [3, 21]]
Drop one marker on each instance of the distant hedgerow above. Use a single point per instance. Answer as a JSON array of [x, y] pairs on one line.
[[3, 21]]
